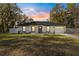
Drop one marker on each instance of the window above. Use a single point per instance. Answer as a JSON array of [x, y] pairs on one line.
[[33, 28], [24, 28], [48, 28]]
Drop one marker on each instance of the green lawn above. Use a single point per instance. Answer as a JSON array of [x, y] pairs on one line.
[[38, 44], [34, 35]]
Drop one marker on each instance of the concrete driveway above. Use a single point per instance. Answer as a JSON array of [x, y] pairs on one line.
[[72, 36]]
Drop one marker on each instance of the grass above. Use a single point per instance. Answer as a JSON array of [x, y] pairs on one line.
[[7, 38], [34, 35], [76, 34], [38, 44]]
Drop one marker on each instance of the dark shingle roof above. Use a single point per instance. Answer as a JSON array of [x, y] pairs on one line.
[[46, 23]]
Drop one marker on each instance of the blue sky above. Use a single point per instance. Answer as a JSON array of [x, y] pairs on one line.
[[37, 11], [41, 6]]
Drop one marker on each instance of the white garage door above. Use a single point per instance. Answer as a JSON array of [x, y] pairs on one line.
[[59, 30]]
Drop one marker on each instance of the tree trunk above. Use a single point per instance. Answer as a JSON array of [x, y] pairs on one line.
[[4, 25]]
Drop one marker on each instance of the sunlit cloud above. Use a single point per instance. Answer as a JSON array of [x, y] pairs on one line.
[[41, 16], [37, 15]]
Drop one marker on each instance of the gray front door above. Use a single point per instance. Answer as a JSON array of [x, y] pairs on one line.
[[39, 29]]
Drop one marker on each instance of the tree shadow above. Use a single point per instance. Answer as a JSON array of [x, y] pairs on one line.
[[37, 47]]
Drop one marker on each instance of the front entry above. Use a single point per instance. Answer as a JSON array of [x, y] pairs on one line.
[[39, 29]]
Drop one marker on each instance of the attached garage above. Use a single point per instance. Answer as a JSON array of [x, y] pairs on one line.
[[60, 29]]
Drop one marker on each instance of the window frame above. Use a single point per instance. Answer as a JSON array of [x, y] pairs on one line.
[[24, 28], [47, 28], [33, 28]]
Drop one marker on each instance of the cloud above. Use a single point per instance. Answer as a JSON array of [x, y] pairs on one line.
[[37, 15], [41, 16], [29, 11]]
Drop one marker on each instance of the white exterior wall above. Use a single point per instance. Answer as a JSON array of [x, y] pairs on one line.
[[28, 29], [52, 29], [43, 29], [15, 30], [20, 29], [56, 29], [36, 29], [60, 29]]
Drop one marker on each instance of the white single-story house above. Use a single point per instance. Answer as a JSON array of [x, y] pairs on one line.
[[39, 27]]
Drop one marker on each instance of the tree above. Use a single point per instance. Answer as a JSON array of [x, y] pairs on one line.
[[8, 14], [57, 14], [69, 15]]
